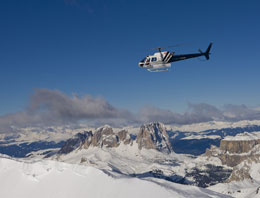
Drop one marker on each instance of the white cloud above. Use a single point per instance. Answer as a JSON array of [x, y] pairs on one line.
[[52, 107], [48, 107]]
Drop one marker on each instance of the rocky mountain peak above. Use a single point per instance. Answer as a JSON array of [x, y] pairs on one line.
[[150, 136], [154, 136], [104, 136], [75, 142], [124, 137]]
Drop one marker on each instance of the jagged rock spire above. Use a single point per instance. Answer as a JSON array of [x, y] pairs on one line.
[[154, 136]]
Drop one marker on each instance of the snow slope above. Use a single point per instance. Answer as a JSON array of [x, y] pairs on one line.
[[128, 159], [41, 179], [148, 163], [242, 189]]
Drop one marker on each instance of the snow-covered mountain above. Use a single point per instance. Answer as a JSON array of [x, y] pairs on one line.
[[154, 136], [149, 154], [187, 139], [55, 179], [153, 152], [26, 141], [242, 153]]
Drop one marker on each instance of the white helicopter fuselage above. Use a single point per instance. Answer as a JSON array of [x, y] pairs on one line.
[[161, 61], [157, 62]]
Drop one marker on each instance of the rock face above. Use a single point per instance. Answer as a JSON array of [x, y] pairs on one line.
[[233, 151], [124, 137], [237, 147], [75, 142], [243, 170], [154, 136], [239, 153], [105, 137], [150, 136]]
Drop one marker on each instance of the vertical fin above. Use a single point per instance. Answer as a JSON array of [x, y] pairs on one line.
[[206, 54]]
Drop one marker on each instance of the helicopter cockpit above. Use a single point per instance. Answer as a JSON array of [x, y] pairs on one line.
[[141, 63], [147, 61]]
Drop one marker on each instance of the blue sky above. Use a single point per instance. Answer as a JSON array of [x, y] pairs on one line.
[[93, 47]]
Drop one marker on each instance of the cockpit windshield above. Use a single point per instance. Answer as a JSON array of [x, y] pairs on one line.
[[143, 60]]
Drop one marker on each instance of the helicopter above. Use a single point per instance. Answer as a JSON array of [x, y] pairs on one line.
[[161, 60]]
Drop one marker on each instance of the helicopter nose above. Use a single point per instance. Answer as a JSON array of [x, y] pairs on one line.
[[141, 64]]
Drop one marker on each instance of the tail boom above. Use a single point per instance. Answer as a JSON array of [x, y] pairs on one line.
[[187, 56]]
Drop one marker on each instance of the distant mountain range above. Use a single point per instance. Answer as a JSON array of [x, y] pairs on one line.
[[148, 154], [189, 139], [196, 143], [211, 154]]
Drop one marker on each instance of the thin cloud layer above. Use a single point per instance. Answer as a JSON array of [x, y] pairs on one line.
[[52, 107], [241, 112], [200, 113], [196, 115], [48, 107]]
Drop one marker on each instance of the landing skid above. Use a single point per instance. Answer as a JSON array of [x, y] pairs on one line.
[[157, 70]]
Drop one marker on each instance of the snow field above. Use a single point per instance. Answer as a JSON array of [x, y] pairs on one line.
[[53, 179]]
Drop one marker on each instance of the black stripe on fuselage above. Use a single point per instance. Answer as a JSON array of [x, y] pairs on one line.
[[184, 57]]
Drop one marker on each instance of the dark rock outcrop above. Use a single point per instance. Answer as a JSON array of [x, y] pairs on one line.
[[124, 137], [154, 136], [237, 147], [208, 175], [233, 152], [106, 137], [150, 136], [75, 142]]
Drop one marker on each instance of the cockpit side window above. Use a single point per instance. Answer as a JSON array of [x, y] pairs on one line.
[[154, 59]]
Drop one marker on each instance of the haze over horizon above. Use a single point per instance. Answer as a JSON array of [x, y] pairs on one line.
[[77, 60]]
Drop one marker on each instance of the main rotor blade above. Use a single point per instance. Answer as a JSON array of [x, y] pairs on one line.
[[170, 46]]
